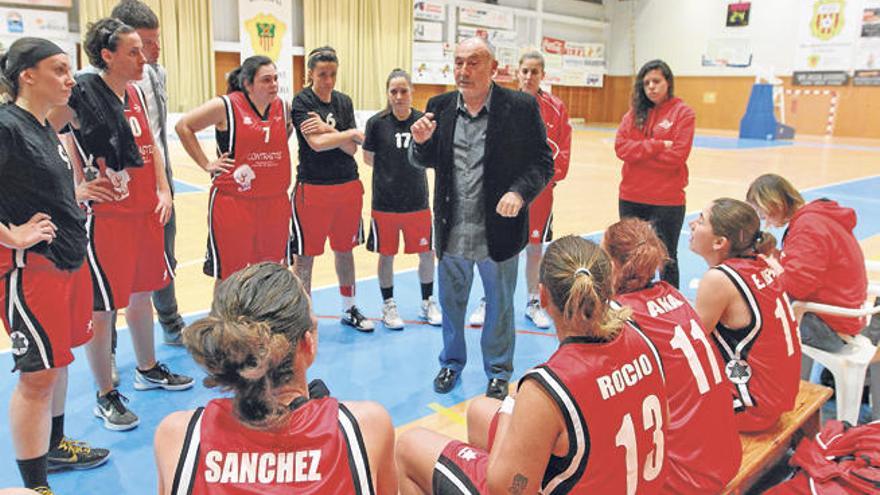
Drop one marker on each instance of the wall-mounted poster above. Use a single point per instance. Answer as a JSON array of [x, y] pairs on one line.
[[738, 14], [432, 63], [429, 10], [51, 24], [494, 18], [827, 32], [569, 63], [264, 29], [427, 31], [867, 56]]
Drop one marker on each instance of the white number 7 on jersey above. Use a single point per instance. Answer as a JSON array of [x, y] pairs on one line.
[[266, 131]]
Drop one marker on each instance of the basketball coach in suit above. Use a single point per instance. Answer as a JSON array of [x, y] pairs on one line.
[[488, 146]]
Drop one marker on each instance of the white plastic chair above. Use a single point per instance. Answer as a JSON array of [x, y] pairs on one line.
[[848, 366]]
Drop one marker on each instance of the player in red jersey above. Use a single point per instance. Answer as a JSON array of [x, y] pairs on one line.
[[249, 209], [126, 249], [274, 435], [42, 254], [328, 196], [555, 116], [400, 200], [592, 419], [699, 396], [743, 300]]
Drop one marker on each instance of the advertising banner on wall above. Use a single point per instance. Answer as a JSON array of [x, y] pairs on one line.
[[427, 31], [432, 63], [569, 63], [428, 10], [264, 27], [827, 33], [51, 24], [493, 18], [867, 56]]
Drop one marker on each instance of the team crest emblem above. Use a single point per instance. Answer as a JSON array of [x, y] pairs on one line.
[[423, 242], [827, 20], [247, 120], [243, 176], [738, 371], [666, 124], [266, 31], [20, 343], [536, 233], [467, 454]]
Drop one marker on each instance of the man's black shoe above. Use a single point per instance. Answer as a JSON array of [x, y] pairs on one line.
[[445, 380], [497, 389]]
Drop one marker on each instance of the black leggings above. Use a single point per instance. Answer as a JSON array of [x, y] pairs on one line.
[[667, 221]]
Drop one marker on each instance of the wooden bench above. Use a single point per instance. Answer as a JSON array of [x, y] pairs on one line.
[[762, 450]]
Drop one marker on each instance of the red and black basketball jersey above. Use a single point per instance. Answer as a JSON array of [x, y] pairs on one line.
[[133, 187], [258, 144], [613, 400], [319, 450], [763, 359], [698, 392]]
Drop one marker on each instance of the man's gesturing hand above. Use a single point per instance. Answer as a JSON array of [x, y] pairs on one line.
[[423, 129], [509, 204]]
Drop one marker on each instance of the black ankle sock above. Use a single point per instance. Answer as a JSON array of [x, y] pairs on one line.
[[57, 432], [33, 471], [387, 293], [427, 291]]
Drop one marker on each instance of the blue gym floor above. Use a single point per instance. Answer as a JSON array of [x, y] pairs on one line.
[[393, 368]]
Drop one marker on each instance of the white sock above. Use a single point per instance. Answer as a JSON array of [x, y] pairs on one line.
[[347, 303]]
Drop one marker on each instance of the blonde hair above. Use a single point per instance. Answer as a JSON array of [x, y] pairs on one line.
[[739, 223], [247, 344], [577, 273], [773, 194]]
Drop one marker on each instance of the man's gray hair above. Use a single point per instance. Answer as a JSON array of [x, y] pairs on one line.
[[488, 44]]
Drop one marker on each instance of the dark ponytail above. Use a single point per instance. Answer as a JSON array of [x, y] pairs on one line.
[[246, 72], [398, 72]]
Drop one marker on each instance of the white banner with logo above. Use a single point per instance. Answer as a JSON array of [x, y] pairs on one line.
[[429, 10], [827, 33], [489, 17], [569, 63], [51, 24], [264, 27]]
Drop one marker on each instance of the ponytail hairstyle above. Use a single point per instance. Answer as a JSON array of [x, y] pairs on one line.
[[246, 72], [773, 194], [578, 276], [23, 54], [532, 55], [247, 344], [394, 75], [641, 104], [637, 253], [101, 34], [738, 222], [321, 54]]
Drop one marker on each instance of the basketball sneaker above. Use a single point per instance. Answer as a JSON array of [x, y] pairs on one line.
[[478, 316], [159, 376], [536, 313], [431, 312], [116, 416], [70, 454], [353, 318], [44, 490], [390, 316]]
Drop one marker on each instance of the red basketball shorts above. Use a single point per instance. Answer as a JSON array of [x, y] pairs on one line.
[[126, 256], [244, 231], [541, 217], [461, 469], [320, 212], [385, 229], [46, 311]]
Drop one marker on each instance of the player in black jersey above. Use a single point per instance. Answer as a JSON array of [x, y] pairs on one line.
[[328, 195], [400, 200], [42, 250]]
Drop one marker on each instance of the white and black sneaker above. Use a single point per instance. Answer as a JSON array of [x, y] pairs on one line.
[[353, 318], [390, 316], [536, 313], [430, 312], [111, 409], [159, 376]]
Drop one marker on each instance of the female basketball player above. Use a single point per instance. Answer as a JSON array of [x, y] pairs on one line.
[[700, 404], [654, 141], [270, 437], [400, 200], [328, 195], [822, 260], [113, 140], [743, 300], [248, 210], [592, 419], [42, 250]]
